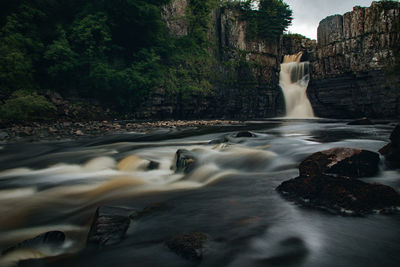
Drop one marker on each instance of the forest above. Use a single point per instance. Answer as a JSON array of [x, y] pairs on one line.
[[116, 52]]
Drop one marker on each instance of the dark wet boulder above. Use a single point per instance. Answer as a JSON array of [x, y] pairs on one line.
[[391, 151], [362, 121], [189, 246], [244, 134], [348, 162], [52, 240], [185, 161], [109, 226], [153, 165], [339, 194]]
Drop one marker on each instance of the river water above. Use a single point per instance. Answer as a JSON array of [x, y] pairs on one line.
[[230, 196]]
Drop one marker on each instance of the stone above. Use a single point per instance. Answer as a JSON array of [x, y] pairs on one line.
[[185, 161], [348, 162], [391, 151], [3, 135], [53, 240], [340, 194], [244, 134], [109, 226], [362, 121], [153, 165], [189, 246]]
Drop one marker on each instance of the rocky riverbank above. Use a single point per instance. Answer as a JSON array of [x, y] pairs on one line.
[[38, 131]]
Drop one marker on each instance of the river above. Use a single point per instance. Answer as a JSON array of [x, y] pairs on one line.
[[230, 196]]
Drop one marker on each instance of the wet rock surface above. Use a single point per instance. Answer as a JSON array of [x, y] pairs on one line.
[[340, 194], [328, 180], [244, 134], [53, 239], [109, 226], [189, 246], [38, 131], [348, 162], [391, 151], [185, 161]]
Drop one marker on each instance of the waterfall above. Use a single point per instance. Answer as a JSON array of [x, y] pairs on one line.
[[293, 80]]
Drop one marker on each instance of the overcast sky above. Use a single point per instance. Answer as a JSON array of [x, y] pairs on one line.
[[308, 13]]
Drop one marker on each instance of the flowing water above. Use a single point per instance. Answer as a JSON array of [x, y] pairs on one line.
[[230, 195], [293, 79]]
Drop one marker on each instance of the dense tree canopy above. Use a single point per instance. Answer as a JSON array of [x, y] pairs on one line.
[[115, 51]]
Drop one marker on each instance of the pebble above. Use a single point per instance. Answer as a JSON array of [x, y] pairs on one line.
[[60, 130]]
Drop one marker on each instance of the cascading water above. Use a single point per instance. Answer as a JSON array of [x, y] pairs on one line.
[[293, 80]]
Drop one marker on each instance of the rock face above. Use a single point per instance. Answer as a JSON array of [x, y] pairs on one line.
[[328, 180], [174, 16], [256, 93], [109, 226], [392, 150], [364, 39], [350, 73], [188, 246], [347, 162], [51, 240], [185, 161], [349, 76], [340, 195]]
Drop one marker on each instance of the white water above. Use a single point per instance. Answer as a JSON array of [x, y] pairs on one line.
[[293, 80]]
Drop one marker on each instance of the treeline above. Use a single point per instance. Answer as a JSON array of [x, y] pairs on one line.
[[114, 51]]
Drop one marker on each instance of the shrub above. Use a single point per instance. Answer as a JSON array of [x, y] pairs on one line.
[[24, 105]]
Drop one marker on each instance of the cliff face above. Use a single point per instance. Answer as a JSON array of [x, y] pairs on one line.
[[250, 70], [174, 16], [361, 40], [350, 65]]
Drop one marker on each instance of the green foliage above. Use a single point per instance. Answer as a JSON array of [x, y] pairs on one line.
[[389, 4], [295, 36], [269, 20], [115, 51], [23, 105]]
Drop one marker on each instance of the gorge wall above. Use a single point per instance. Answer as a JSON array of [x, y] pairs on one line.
[[354, 63], [354, 67], [248, 70]]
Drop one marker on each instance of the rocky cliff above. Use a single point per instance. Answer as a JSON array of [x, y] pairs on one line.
[[249, 71], [351, 65]]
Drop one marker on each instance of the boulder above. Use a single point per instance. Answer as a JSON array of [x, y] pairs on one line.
[[189, 246], [109, 226], [185, 161], [392, 150], [348, 162], [339, 194], [244, 134], [362, 121], [53, 240]]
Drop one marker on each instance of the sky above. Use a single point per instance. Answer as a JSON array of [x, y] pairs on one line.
[[308, 13]]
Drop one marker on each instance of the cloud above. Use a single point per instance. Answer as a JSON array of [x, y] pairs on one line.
[[308, 13]]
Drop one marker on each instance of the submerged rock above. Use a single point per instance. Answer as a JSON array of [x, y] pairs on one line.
[[348, 162], [244, 134], [362, 121], [185, 161], [53, 240], [189, 246], [109, 226], [340, 194], [392, 150]]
